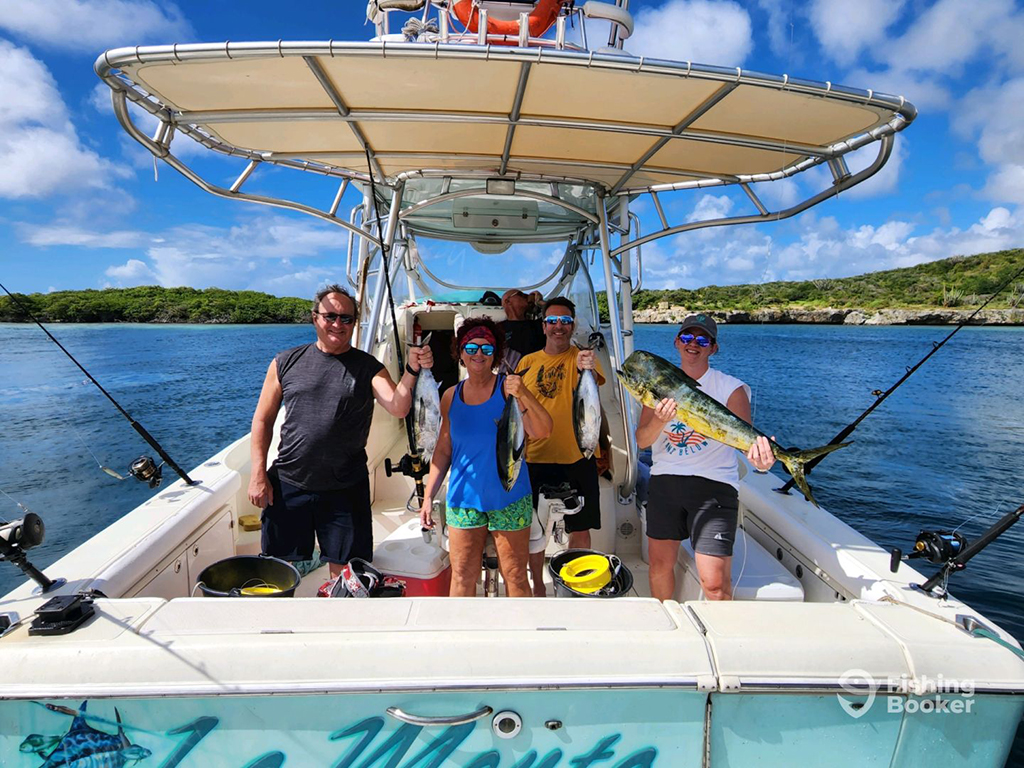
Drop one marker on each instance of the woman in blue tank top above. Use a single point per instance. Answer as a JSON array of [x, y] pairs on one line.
[[477, 502]]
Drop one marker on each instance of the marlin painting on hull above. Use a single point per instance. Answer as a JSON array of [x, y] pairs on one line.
[[85, 747]]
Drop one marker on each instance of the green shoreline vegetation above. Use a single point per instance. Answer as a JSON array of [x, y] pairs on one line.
[[962, 282], [957, 282]]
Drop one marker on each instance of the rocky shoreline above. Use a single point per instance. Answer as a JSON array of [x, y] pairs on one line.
[[830, 316]]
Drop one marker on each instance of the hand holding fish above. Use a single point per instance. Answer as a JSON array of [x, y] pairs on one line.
[[586, 360], [760, 454], [665, 411], [420, 357], [513, 386]]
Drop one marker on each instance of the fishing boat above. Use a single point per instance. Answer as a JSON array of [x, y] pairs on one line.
[[490, 124]]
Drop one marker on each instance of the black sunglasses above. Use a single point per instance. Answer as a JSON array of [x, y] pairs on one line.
[[334, 317]]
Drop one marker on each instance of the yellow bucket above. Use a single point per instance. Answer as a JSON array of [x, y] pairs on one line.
[[587, 573]]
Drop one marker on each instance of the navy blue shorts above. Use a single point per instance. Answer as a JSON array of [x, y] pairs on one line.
[[341, 522]]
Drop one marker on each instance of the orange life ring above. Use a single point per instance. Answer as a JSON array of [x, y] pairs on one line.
[[542, 17]]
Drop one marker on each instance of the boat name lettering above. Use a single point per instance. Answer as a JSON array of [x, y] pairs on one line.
[[362, 741]]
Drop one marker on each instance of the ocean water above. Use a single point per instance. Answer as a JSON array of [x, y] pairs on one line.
[[945, 451]]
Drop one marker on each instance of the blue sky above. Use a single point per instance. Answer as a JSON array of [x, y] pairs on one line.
[[80, 207]]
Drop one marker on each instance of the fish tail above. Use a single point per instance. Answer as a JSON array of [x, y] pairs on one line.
[[795, 461]]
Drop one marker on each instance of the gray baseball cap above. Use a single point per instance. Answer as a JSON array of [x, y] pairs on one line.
[[703, 321]]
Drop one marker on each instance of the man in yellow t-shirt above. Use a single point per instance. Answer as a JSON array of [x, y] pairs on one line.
[[552, 377]]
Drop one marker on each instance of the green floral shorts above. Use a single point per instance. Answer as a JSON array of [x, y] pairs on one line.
[[514, 517]]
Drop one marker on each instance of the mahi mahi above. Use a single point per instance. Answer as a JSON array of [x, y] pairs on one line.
[[650, 379], [426, 411], [511, 443], [586, 407]]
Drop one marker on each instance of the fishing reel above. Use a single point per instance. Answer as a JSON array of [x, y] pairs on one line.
[[19, 536], [410, 465], [952, 550], [937, 547], [145, 470]]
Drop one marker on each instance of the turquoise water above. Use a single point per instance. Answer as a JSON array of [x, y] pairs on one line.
[[944, 451]]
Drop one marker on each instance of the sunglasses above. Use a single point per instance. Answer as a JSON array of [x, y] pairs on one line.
[[559, 320], [472, 349], [334, 317], [702, 341]]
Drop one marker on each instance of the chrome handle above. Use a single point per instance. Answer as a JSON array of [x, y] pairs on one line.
[[405, 717]]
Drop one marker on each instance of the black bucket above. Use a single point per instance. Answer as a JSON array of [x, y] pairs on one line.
[[620, 585], [229, 577]]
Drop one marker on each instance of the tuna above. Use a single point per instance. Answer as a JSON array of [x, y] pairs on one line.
[[511, 443], [650, 379], [426, 411], [586, 408]]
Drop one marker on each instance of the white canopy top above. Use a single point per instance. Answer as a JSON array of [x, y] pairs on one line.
[[620, 123]]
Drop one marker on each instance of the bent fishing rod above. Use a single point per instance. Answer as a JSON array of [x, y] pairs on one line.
[[142, 469], [882, 396]]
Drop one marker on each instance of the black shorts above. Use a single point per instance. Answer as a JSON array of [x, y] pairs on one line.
[[687, 507], [583, 477], [340, 520]]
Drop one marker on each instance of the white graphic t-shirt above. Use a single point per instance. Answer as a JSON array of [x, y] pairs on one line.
[[680, 450]]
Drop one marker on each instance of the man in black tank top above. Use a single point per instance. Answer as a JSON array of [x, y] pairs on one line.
[[319, 485]]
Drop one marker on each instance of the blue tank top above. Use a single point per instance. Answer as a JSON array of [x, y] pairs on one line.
[[474, 482]]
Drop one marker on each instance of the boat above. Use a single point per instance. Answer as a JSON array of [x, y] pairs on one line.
[[482, 124]]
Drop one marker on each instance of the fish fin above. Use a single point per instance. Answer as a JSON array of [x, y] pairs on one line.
[[79, 723], [795, 460], [120, 731], [688, 380], [423, 342]]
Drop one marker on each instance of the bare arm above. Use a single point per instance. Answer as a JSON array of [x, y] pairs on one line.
[[653, 420], [760, 453], [440, 461], [260, 492], [396, 399]]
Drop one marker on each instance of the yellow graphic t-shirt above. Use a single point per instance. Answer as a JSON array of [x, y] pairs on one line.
[[552, 380]]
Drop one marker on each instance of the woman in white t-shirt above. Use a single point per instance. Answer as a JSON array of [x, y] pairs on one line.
[[694, 483]]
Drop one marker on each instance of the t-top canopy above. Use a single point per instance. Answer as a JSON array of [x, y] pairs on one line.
[[621, 123]]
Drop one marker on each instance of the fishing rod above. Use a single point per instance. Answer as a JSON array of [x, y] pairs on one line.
[[411, 464], [952, 550], [144, 468], [936, 346]]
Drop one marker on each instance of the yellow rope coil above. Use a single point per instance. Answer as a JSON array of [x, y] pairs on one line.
[[587, 573]]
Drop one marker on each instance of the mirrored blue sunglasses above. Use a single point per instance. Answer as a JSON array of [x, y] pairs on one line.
[[702, 341], [472, 349], [559, 319]]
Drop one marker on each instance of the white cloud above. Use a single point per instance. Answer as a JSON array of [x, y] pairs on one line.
[[702, 31], [780, 28], [1006, 184], [846, 27], [64, 234], [40, 153], [711, 207], [92, 25], [133, 271], [951, 33], [259, 254], [924, 91], [822, 248], [994, 115]]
